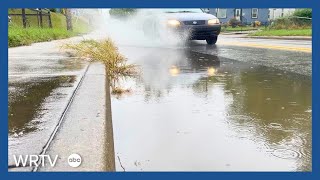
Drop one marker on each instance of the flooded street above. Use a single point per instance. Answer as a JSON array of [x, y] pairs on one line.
[[193, 107], [191, 111], [134, 93]]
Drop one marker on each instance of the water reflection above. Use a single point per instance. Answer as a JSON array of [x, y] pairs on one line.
[[213, 101], [272, 106], [26, 101], [162, 71]]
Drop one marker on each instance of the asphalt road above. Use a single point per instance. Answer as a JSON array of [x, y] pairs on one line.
[[287, 55], [244, 104]]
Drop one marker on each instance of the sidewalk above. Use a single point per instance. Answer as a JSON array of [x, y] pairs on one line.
[[41, 78], [86, 129]]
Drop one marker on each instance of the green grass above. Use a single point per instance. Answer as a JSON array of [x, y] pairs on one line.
[[107, 52], [283, 32], [18, 36], [58, 20]]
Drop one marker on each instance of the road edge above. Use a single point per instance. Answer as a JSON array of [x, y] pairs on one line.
[[109, 157], [307, 38]]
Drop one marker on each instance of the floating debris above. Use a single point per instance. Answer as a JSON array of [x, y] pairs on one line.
[[119, 91], [286, 154]]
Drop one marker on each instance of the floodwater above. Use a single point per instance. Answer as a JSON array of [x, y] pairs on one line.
[[25, 106], [190, 111]]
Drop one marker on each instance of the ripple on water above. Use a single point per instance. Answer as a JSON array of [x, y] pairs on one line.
[[286, 154], [301, 117], [293, 103], [242, 125], [277, 126], [240, 118], [309, 111]]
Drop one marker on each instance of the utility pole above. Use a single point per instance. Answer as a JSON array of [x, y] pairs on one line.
[[68, 19]]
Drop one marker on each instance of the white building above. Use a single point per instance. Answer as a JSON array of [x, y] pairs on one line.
[[275, 13]]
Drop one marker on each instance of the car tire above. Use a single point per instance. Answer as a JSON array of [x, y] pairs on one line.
[[212, 40]]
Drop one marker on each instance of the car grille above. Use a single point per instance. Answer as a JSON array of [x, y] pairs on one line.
[[202, 33], [195, 33], [196, 22]]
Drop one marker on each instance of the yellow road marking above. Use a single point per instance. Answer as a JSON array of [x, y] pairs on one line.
[[287, 48]]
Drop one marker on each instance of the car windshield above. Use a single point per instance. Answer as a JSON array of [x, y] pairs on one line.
[[171, 10]]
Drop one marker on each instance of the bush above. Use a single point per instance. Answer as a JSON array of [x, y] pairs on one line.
[[53, 9], [224, 25], [122, 13], [234, 22], [291, 23], [256, 24], [303, 13]]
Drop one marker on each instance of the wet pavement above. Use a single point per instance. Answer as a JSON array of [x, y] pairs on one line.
[[214, 108], [286, 55], [228, 107], [41, 80]]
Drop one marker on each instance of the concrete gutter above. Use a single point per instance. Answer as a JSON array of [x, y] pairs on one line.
[[233, 33], [87, 127], [309, 38]]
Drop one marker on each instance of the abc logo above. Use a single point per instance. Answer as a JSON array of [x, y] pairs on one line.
[[74, 160]]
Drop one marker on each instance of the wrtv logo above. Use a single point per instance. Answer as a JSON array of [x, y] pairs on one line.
[[34, 160]]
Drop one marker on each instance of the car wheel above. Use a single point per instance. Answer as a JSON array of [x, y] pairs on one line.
[[212, 40]]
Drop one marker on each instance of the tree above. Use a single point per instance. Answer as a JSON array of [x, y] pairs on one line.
[[122, 12], [68, 19], [303, 13]]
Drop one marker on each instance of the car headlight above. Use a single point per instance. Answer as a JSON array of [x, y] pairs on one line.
[[173, 22], [213, 21]]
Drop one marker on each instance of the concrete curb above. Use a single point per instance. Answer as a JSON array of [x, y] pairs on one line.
[[233, 33], [307, 38], [87, 128], [238, 32]]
